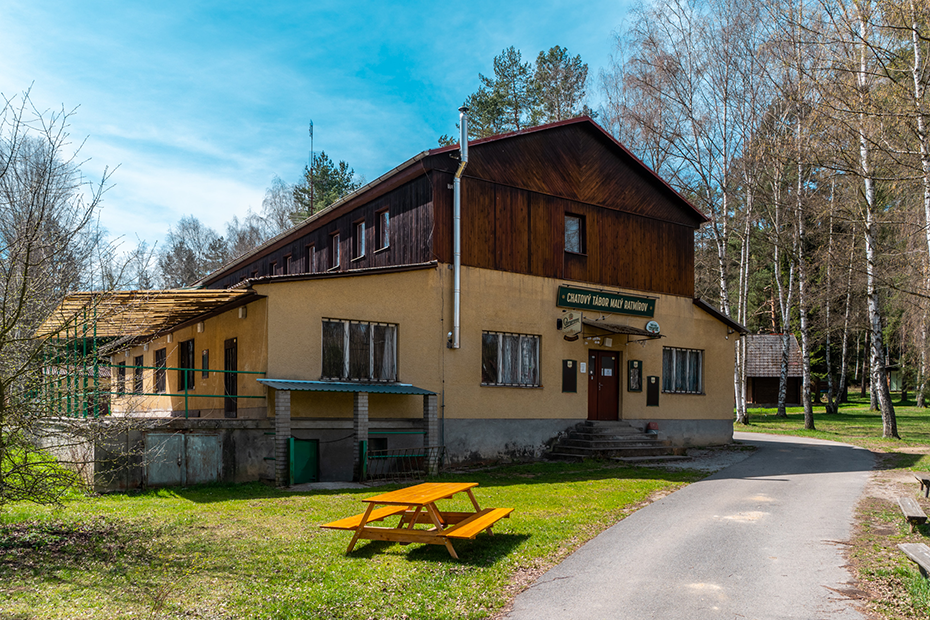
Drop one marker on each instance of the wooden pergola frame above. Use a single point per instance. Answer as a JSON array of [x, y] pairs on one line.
[[138, 313]]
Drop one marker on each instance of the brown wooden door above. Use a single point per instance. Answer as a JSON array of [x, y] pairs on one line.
[[603, 385]]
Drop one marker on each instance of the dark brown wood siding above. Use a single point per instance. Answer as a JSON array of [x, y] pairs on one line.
[[580, 163], [411, 227], [521, 231]]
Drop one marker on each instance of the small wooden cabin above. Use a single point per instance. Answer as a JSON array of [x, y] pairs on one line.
[[763, 370]]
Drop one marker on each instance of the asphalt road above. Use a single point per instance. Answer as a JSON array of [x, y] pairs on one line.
[[760, 539]]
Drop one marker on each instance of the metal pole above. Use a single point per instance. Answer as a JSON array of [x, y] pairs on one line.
[[84, 364], [97, 370]]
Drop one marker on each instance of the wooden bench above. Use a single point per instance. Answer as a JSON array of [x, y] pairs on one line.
[[924, 481], [912, 512], [352, 523], [478, 522], [919, 553]]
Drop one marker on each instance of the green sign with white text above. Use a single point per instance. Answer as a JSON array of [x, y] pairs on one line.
[[583, 299]]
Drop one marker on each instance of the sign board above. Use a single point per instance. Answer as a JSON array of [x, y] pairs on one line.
[[571, 323], [583, 299]]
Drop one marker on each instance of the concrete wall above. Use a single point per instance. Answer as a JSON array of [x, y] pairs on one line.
[[247, 449]]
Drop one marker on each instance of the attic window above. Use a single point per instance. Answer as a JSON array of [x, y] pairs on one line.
[[383, 229], [334, 251], [575, 234], [359, 239]]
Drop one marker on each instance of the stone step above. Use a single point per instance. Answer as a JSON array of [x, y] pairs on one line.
[[608, 444], [575, 451], [612, 433]]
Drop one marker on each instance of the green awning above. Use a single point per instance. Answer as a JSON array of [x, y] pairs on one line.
[[343, 386]]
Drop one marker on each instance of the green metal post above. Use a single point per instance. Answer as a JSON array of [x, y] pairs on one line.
[[96, 369], [84, 364], [69, 376]]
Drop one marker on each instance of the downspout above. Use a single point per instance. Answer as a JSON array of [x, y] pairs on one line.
[[457, 229]]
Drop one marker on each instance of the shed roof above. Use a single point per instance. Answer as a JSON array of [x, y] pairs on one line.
[[763, 355], [343, 386], [137, 313]]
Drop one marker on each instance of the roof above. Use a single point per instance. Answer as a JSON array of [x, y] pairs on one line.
[[763, 355], [720, 316], [137, 313], [344, 386], [421, 164]]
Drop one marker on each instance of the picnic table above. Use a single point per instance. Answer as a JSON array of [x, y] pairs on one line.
[[416, 505]]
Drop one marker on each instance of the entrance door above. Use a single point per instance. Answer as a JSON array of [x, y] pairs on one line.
[[230, 379], [603, 385]]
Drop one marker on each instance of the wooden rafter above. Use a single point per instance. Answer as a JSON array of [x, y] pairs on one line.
[[135, 313]]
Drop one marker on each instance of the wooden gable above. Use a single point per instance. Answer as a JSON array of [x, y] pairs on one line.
[[578, 161]]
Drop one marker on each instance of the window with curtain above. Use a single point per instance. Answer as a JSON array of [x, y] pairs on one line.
[[509, 359], [359, 350], [682, 371]]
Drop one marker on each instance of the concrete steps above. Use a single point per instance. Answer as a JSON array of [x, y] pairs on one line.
[[609, 440]]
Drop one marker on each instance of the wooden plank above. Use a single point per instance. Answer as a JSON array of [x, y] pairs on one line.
[[919, 553], [351, 523], [483, 520], [422, 494], [912, 511], [924, 481]]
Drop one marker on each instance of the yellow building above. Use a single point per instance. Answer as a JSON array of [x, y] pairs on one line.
[[471, 304]]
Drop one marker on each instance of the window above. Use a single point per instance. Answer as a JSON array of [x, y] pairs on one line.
[[383, 229], [205, 364], [311, 259], [161, 359], [121, 379], [287, 264], [186, 365], [138, 362], [682, 371], [509, 359], [359, 351], [334, 251], [272, 268], [360, 239], [574, 234]]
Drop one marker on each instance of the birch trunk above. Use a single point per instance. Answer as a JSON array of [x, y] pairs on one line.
[[879, 381]]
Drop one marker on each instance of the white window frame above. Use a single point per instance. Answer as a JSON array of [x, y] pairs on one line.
[[525, 376], [335, 251], [384, 229], [346, 352], [359, 240], [682, 371]]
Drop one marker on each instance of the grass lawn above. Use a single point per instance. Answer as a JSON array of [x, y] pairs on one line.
[[853, 424], [250, 551]]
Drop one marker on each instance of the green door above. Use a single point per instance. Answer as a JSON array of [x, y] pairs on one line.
[[304, 455]]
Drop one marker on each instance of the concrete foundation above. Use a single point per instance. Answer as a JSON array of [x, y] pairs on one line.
[[688, 433]]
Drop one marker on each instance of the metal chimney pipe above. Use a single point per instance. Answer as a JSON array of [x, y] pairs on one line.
[[457, 230]]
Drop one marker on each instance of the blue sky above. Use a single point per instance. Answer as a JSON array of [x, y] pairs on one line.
[[199, 104]]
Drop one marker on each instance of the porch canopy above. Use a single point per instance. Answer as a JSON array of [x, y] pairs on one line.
[[616, 328], [112, 314], [344, 386], [360, 392]]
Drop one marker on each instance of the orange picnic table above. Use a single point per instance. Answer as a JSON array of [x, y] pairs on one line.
[[416, 505]]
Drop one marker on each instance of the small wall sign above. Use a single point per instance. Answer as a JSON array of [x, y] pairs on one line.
[[652, 327], [634, 376]]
